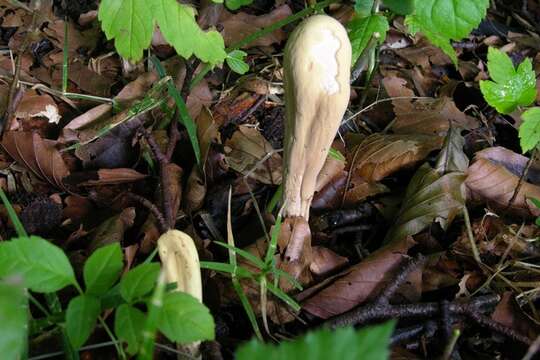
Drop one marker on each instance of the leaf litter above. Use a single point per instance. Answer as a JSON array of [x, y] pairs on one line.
[[421, 172]]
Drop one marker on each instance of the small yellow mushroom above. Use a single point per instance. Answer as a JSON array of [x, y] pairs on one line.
[[317, 62], [180, 260]]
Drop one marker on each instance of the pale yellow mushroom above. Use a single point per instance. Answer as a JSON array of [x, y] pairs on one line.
[[180, 261], [317, 64]]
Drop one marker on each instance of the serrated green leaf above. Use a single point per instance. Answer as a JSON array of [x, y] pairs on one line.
[[369, 343], [402, 7], [361, 30], [363, 7], [444, 20], [237, 4], [81, 316], [14, 320], [235, 60], [128, 326], [184, 319], [131, 24], [529, 130], [43, 266], [178, 26], [139, 281], [429, 197], [102, 269], [511, 88]]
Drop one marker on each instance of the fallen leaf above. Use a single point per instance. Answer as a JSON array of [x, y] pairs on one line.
[[112, 230], [429, 197], [238, 26], [380, 155], [325, 261], [34, 105], [424, 116], [493, 178], [452, 158], [104, 177], [508, 313], [38, 155], [248, 153], [361, 282]]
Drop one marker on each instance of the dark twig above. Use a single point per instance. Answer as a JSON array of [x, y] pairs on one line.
[[158, 154], [521, 179], [381, 308], [152, 208]]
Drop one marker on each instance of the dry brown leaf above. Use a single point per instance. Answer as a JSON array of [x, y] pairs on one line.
[[381, 155], [232, 107], [494, 176], [249, 153], [172, 181], [424, 116], [332, 167], [107, 177], [38, 155], [360, 282], [199, 97], [508, 313], [238, 26], [34, 105], [325, 261], [195, 190]]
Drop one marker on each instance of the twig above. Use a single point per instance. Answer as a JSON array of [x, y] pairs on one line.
[[158, 154], [449, 349], [521, 180], [533, 349], [152, 208]]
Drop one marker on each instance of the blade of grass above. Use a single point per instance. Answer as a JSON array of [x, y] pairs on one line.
[[247, 307], [275, 199], [241, 272], [243, 253], [185, 119], [65, 58], [19, 228], [269, 258], [284, 297]]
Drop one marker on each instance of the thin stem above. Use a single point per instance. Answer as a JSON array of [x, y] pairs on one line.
[[470, 235], [117, 344]]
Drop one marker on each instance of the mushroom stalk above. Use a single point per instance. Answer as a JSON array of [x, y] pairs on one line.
[[317, 62]]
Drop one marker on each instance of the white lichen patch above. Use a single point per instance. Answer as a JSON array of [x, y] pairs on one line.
[[50, 112], [323, 54]]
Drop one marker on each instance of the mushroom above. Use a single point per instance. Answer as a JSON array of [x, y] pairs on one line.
[[317, 62]]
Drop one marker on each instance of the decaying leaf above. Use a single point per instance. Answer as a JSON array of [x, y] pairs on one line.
[[424, 116], [112, 230], [361, 282], [34, 105], [325, 261], [452, 158], [493, 178], [104, 177], [429, 197], [381, 155], [38, 155], [251, 154]]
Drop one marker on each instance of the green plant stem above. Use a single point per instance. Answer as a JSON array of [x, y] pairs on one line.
[[264, 31], [65, 59], [38, 305], [19, 228], [150, 327]]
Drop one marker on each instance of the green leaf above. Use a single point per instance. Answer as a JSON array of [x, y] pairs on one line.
[[444, 20], [177, 24], [131, 24], [128, 325], [139, 281], [184, 319], [361, 30], [429, 197], [363, 7], [81, 316], [43, 266], [336, 154], [102, 269], [235, 60], [369, 343], [529, 130], [511, 88], [401, 7], [14, 320], [237, 4]]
